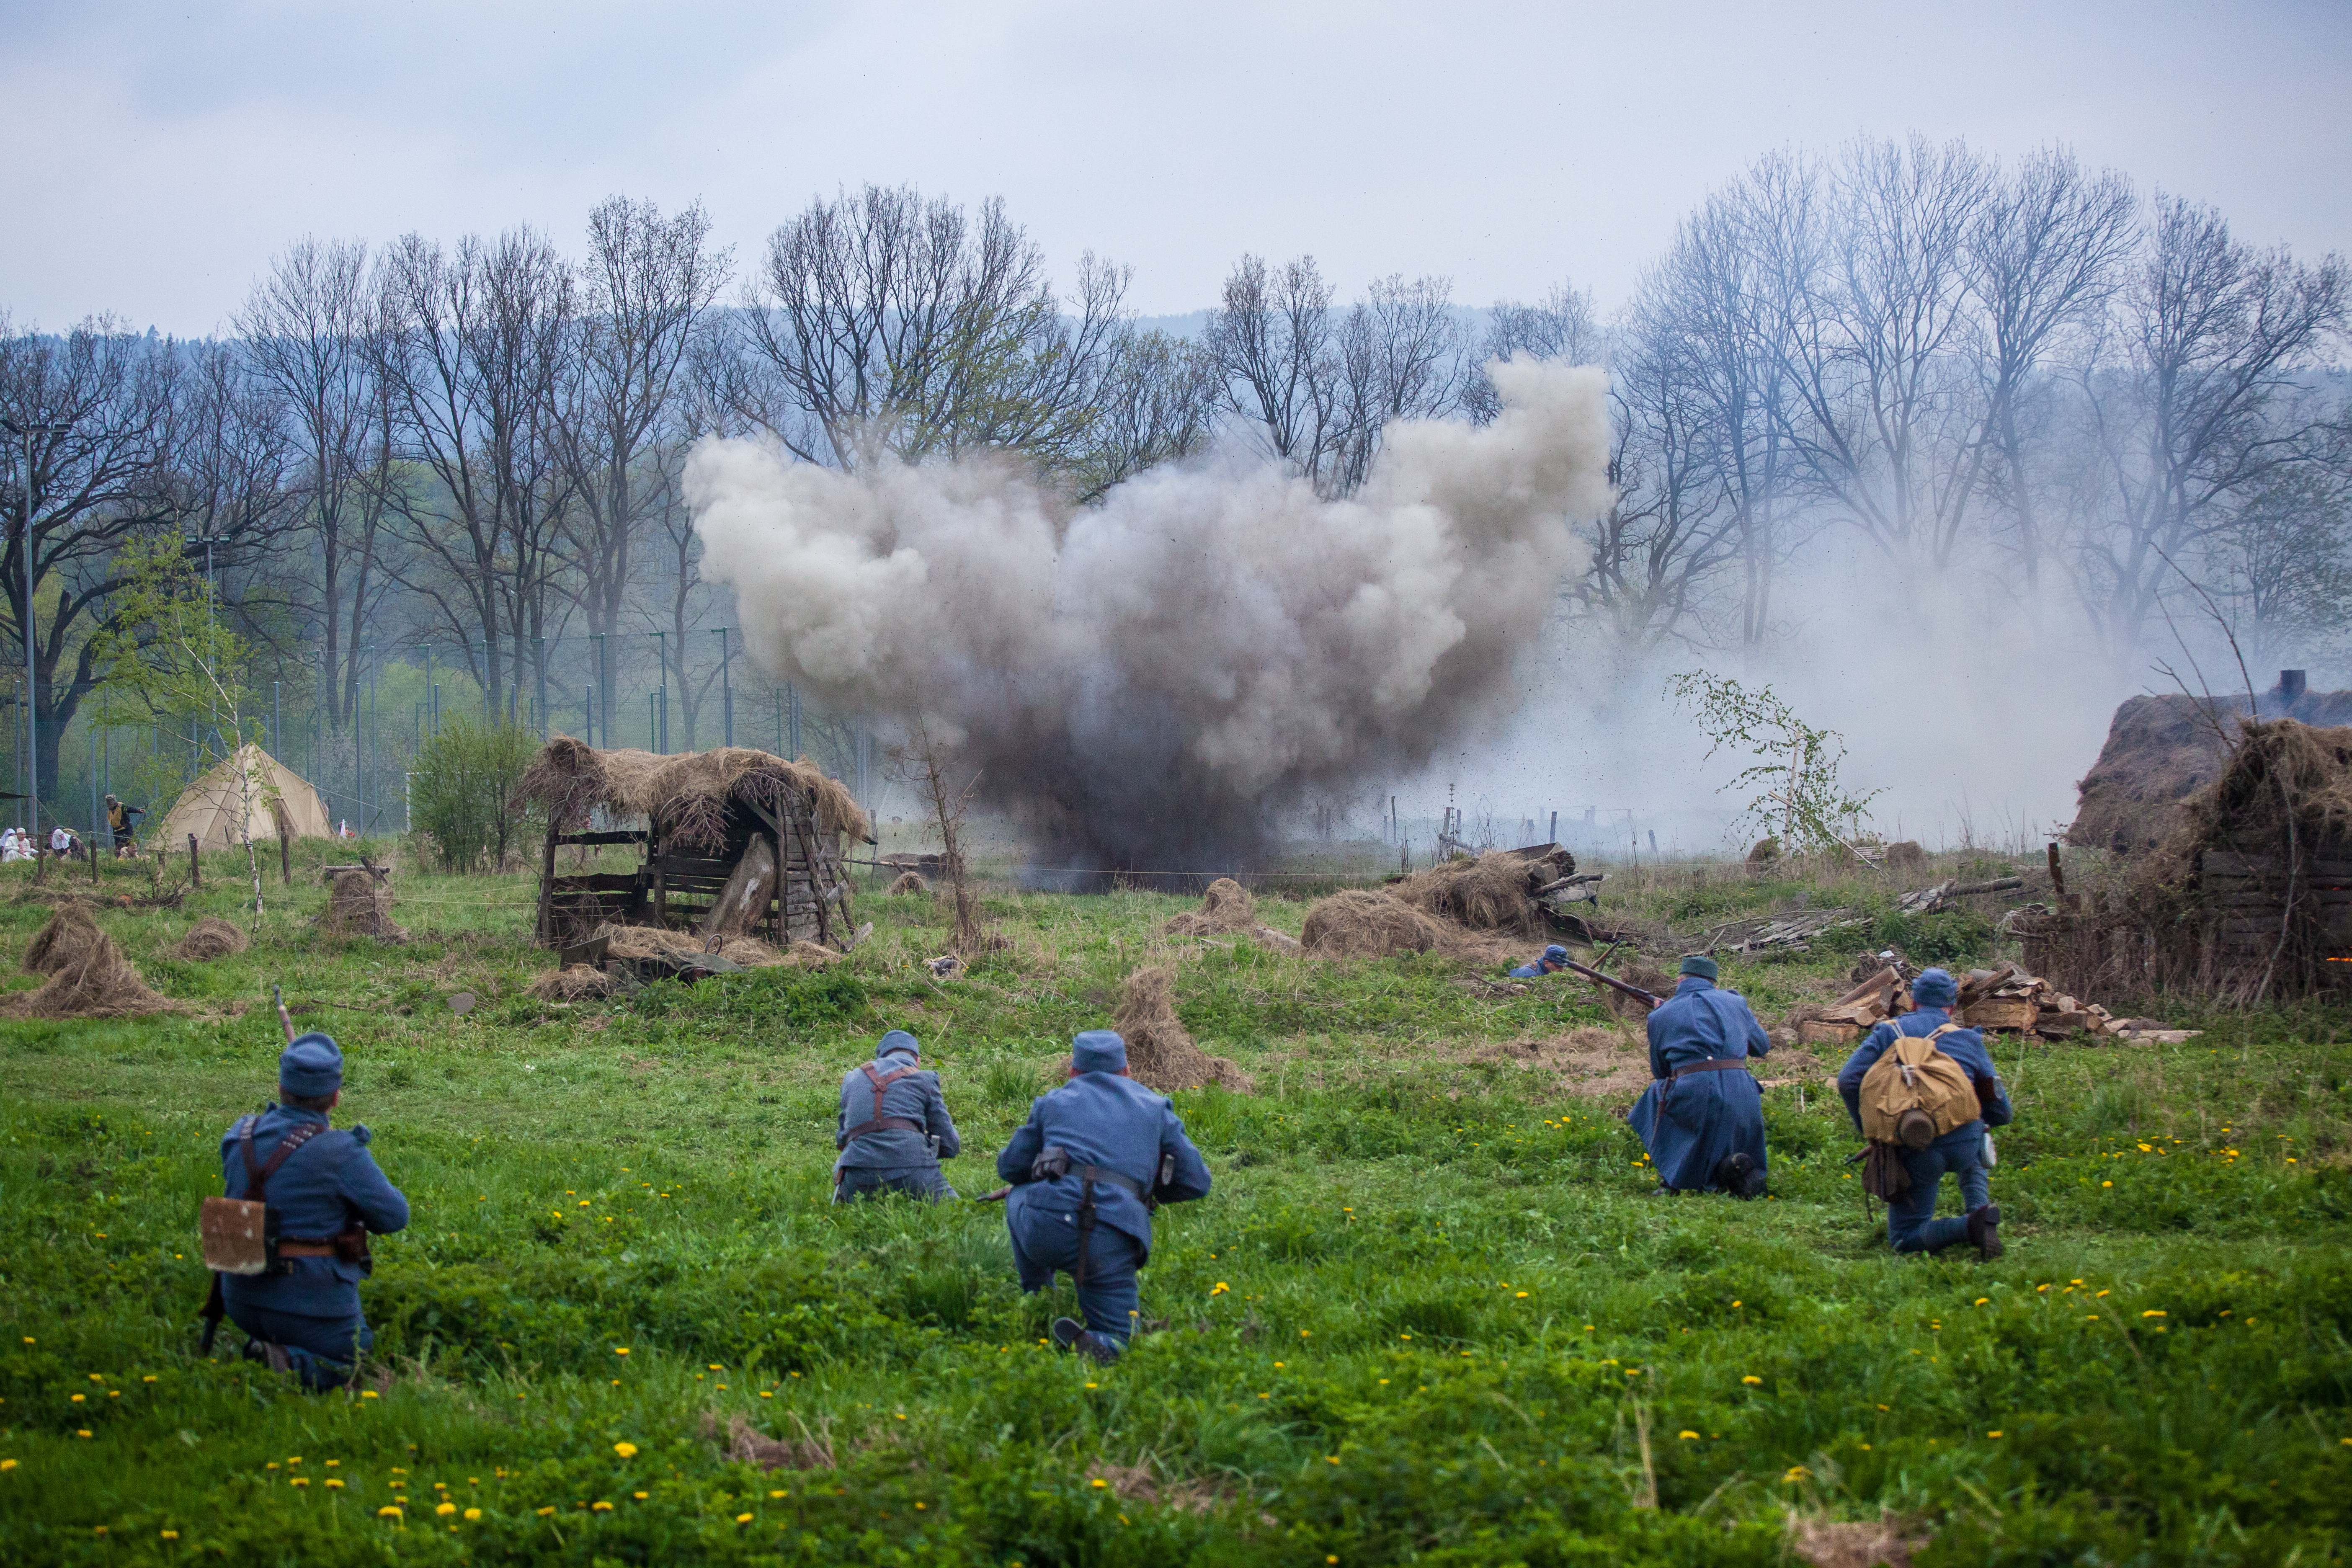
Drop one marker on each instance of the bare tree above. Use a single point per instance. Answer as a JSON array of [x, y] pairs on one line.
[[93, 484], [1272, 341], [645, 290], [1401, 356], [2201, 401], [884, 322], [1561, 326], [473, 351], [307, 326], [1884, 414], [1155, 406], [2045, 252]]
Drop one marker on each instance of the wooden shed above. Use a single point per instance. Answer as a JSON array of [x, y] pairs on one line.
[[733, 842]]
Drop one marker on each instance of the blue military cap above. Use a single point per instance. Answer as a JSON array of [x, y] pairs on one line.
[[1703, 967], [1098, 1050], [899, 1041], [310, 1066], [1556, 954], [1935, 988]]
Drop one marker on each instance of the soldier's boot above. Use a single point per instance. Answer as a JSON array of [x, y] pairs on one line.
[[1737, 1175], [1984, 1231], [272, 1356], [1073, 1335]]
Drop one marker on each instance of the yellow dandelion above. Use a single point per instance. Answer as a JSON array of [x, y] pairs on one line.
[[601, 1506], [1797, 1473], [1523, 1295], [77, 1399], [1686, 1435], [7, 1464], [1753, 1381], [334, 1484], [626, 1451], [544, 1512], [1100, 1482], [367, 1394], [780, 1494], [641, 1496], [300, 1481], [742, 1519], [473, 1515], [2155, 1314], [169, 1534], [388, 1511], [1982, 1299], [445, 1510], [1992, 1434], [81, 1432], [1330, 1459]]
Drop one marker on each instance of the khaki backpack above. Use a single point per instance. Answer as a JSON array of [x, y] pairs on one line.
[[1914, 1094]]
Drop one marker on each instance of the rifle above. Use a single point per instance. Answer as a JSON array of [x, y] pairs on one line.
[[285, 1020], [1624, 988], [998, 1196]]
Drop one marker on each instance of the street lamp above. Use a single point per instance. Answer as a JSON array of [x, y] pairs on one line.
[[28, 430]]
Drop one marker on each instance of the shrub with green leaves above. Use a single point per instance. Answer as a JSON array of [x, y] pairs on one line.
[[462, 792]]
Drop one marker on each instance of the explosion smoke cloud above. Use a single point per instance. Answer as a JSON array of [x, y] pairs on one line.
[[1153, 680]]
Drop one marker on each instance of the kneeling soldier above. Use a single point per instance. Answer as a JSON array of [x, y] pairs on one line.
[[325, 1193], [1702, 1118], [1960, 1096], [1095, 1158], [894, 1129]]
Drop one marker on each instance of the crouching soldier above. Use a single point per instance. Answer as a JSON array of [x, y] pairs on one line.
[[1554, 959], [324, 1194], [1095, 1158], [1925, 1107], [1702, 1118], [895, 1127]]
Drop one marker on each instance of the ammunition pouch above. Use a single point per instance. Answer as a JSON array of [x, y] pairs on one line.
[[1884, 1175]]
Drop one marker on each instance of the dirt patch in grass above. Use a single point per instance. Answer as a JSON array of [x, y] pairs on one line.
[[1844, 1543], [1593, 1062]]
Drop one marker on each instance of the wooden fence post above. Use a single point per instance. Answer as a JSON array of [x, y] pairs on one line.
[[196, 876]]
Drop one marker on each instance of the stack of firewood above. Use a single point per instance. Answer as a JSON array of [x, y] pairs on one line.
[[2005, 1000]]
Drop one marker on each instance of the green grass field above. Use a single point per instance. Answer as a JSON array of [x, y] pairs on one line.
[[1430, 1314]]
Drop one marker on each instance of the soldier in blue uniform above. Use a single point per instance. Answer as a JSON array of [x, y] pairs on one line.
[[1702, 1118], [1094, 1159], [327, 1194], [1554, 958], [1966, 1151], [894, 1129]]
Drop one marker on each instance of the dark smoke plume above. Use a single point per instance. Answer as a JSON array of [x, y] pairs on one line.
[[1151, 682]]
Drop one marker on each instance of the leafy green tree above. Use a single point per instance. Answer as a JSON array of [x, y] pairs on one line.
[[463, 792], [1797, 793]]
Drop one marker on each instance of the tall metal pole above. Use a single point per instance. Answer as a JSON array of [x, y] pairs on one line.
[[660, 742], [539, 658], [588, 712], [429, 686], [726, 688]]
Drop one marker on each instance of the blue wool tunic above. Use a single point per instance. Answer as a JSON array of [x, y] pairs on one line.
[[1691, 1125]]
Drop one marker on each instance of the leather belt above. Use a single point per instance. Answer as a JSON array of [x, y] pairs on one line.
[[305, 1248], [1714, 1064], [1096, 1174], [881, 1123]]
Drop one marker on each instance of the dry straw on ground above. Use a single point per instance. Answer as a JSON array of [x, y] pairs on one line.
[[1488, 893], [1227, 907], [689, 794], [575, 983], [749, 953], [1844, 1543], [1159, 1051], [88, 976], [212, 938], [911, 882], [358, 904], [1593, 1062]]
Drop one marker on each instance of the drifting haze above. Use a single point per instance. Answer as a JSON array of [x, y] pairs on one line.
[[1154, 682]]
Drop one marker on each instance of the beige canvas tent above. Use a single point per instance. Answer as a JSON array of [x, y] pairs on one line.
[[224, 808]]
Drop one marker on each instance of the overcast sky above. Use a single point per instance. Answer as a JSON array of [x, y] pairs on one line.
[[154, 157]]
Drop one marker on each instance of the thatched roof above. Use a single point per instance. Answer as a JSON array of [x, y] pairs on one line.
[[2162, 750], [688, 795]]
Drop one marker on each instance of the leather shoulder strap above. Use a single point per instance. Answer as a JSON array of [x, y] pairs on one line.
[[260, 1178], [883, 1080]]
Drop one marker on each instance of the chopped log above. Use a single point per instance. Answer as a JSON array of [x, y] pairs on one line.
[[2011, 1014], [2059, 1025], [1825, 1032], [745, 897]]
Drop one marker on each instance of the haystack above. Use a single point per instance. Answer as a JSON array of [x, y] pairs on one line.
[[358, 904], [1160, 1052], [1357, 923], [1904, 855], [88, 976], [909, 882], [1225, 907], [1493, 892], [213, 938], [575, 982]]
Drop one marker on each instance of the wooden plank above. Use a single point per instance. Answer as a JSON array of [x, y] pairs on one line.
[[626, 836], [600, 882]]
